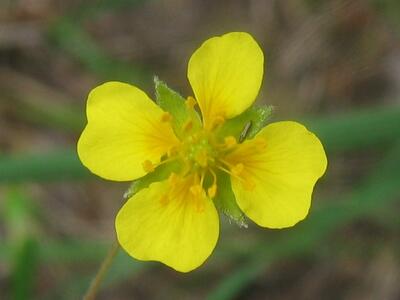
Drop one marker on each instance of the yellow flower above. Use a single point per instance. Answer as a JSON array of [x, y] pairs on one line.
[[173, 219]]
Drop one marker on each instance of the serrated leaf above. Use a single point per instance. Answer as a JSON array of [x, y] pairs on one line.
[[225, 200], [247, 124], [174, 103]]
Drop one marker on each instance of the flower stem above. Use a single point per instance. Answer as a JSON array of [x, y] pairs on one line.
[[104, 267]]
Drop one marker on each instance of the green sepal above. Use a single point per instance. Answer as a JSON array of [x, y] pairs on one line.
[[225, 200], [170, 101], [253, 119], [161, 173]]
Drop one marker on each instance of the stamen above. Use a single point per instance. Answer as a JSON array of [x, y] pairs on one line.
[[173, 179], [188, 125], [247, 183], [202, 158], [196, 190], [212, 191], [190, 102], [226, 163], [166, 117], [225, 170], [237, 169], [172, 151], [218, 121], [203, 175], [230, 141], [148, 166], [213, 175]]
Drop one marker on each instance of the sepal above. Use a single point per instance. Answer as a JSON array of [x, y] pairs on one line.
[[247, 124]]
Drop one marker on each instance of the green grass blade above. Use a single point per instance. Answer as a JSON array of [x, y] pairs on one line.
[[24, 269], [70, 38], [357, 129], [58, 165]]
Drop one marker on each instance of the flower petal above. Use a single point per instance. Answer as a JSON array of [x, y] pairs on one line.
[[124, 129], [226, 74], [280, 168], [180, 231]]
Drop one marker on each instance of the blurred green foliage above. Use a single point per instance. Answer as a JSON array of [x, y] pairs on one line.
[[355, 130]]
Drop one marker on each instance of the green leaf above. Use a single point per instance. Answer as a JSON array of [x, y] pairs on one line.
[[170, 101], [247, 124], [159, 174], [225, 200]]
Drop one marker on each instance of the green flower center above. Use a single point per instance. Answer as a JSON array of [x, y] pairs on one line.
[[198, 150], [200, 153]]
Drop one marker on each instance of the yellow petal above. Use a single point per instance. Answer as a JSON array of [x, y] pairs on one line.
[[226, 74], [280, 168], [124, 129], [169, 224]]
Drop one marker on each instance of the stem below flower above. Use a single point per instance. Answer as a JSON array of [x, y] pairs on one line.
[[105, 266]]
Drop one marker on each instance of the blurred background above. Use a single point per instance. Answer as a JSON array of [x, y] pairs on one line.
[[334, 65]]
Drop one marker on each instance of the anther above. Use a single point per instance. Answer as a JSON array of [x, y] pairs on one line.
[[166, 117], [230, 141], [218, 121], [237, 169], [172, 151], [196, 190], [173, 179], [202, 158], [148, 166], [212, 191], [190, 102], [188, 125]]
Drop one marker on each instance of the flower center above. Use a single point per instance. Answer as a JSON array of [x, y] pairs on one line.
[[201, 154], [197, 150]]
